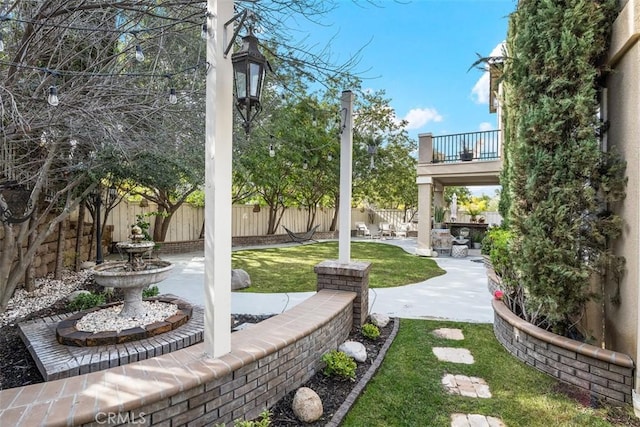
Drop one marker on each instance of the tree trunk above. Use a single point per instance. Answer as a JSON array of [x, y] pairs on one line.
[[271, 223], [12, 272], [30, 273], [79, 235], [334, 220], [157, 225], [164, 226], [311, 216]]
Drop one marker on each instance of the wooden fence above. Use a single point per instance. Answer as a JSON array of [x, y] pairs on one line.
[[248, 220]]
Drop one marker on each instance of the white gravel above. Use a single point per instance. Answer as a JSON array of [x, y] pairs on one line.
[[107, 319], [47, 292]]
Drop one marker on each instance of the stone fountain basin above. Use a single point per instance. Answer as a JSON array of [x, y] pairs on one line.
[[136, 247], [115, 274]]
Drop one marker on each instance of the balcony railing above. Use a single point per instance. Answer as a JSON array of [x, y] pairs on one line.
[[463, 147]]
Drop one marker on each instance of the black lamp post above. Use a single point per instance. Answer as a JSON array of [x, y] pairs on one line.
[[249, 68], [15, 204], [112, 193], [97, 201]]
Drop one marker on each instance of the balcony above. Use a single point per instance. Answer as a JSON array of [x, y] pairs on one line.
[[473, 158]]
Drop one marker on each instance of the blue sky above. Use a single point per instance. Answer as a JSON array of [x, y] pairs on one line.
[[419, 52]]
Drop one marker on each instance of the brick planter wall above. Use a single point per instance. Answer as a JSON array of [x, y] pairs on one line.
[[603, 373], [185, 387]]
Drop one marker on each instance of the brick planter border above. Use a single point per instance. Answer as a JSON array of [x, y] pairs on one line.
[[604, 373], [186, 387]]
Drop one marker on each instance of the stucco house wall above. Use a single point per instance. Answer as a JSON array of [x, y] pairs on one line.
[[622, 110]]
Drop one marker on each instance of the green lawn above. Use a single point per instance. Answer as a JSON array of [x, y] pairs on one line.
[[407, 389], [290, 269]]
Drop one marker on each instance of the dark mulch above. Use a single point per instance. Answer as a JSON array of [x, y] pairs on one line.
[[17, 368], [332, 392]]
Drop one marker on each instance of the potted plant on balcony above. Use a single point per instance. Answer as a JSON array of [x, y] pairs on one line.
[[466, 155]]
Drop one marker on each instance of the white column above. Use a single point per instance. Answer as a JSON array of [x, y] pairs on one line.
[[424, 216], [217, 211], [346, 170], [438, 194]]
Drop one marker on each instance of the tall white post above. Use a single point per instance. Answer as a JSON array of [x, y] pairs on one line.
[[217, 211], [346, 174]]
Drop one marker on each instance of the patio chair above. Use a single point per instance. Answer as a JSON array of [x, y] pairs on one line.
[[385, 229], [401, 231], [362, 230]]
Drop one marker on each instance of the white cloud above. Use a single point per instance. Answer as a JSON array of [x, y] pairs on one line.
[[418, 117], [485, 126], [480, 91]]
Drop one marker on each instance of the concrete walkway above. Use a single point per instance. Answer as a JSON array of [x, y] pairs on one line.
[[460, 294]]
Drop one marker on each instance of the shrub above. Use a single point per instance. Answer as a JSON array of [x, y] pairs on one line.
[[151, 291], [496, 245], [86, 301], [370, 331], [263, 421], [340, 365]]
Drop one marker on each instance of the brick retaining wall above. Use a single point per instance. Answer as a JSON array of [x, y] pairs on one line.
[[604, 373], [185, 387], [186, 246]]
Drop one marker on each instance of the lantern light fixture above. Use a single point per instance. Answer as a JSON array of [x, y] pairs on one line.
[[372, 149], [249, 69]]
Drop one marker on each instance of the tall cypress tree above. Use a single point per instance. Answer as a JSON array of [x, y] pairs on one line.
[[555, 167]]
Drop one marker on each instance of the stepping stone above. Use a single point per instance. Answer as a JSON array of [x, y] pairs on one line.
[[454, 355], [463, 385], [449, 333], [475, 420]]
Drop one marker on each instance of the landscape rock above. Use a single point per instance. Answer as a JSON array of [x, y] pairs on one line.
[[87, 265], [307, 405], [354, 349], [73, 295], [239, 279], [380, 320]]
